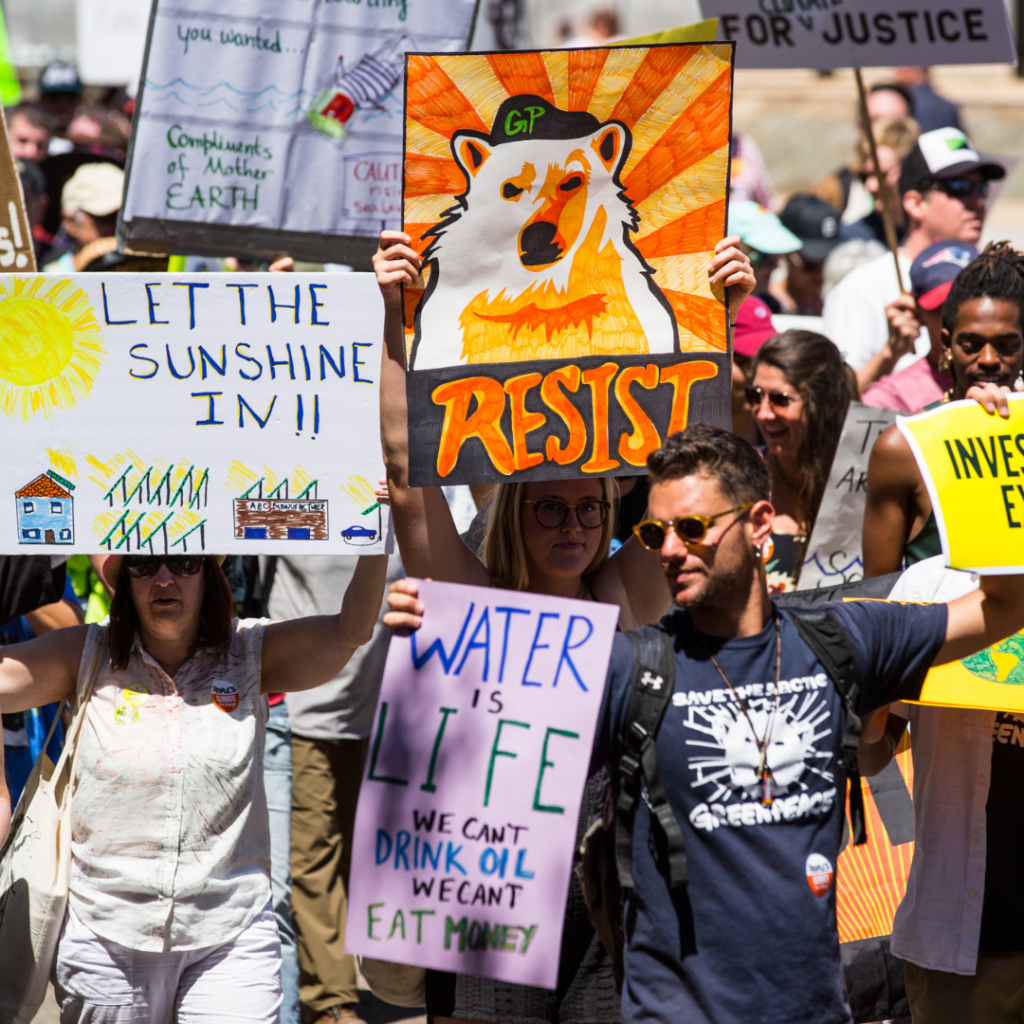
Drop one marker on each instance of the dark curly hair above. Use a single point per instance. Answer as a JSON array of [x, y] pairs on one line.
[[214, 617], [815, 367], [998, 273]]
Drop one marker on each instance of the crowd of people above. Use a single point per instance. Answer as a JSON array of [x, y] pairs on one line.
[[218, 889]]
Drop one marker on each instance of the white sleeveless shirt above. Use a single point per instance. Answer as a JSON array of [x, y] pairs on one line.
[[170, 837]]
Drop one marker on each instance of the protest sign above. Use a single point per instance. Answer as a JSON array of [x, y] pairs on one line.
[[467, 817], [991, 678], [16, 252], [834, 552], [277, 129], [228, 413], [827, 34], [972, 463], [110, 39], [567, 204]]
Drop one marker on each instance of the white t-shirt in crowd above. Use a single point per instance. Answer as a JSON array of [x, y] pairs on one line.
[[854, 313]]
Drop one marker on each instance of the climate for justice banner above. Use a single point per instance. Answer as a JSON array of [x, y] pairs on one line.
[[277, 127], [466, 826], [824, 34], [167, 413], [567, 204]]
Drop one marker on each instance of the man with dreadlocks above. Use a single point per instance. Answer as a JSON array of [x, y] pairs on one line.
[[982, 342], [960, 926]]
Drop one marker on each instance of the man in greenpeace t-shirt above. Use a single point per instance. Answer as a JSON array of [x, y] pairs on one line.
[[753, 938]]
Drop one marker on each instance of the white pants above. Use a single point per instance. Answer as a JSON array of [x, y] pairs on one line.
[[101, 982]]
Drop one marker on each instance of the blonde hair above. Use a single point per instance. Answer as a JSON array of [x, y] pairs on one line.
[[502, 549]]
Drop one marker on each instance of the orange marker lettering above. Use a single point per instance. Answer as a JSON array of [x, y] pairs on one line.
[[681, 376], [598, 380], [635, 447], [555, 400], [485, 423], [523, 421]]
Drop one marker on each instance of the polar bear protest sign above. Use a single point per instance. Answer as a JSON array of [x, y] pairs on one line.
[[566, 204], [470, 799]]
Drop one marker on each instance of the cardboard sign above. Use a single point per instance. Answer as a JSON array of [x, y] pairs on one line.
[[466, 826], [228, 413], [825, 34], [567, 204], [276, 128], [834, 554], [16, 252], [973, 466]]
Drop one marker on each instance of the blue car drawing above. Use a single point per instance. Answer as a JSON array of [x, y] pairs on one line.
[[358, 534]]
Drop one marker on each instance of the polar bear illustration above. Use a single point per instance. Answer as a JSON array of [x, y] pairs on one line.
[[535, 260]]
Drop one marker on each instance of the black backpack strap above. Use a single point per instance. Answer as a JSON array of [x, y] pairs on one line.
[[653, 683], [822, 631]]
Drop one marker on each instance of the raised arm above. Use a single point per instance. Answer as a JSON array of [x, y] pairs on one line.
[[427, 537], [41, 671], [889, 511], [302, 653]]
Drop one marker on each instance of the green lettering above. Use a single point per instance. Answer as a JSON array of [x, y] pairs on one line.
[[371, 921], [397, 922], [527, 936], [495, 752], [545, 763], [451, 928], [419, 915], [534, 113], [520, 125]]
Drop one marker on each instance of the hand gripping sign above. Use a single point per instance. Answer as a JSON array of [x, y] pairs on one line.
[[973, 466], [566, 204], [469, 806]]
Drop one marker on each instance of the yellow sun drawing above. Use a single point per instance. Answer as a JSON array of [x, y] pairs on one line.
[[50, 346]]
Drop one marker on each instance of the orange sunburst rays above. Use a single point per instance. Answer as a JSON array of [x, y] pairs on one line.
[[675, 101]]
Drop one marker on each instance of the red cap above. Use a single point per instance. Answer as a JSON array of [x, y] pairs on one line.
[[753, 326]]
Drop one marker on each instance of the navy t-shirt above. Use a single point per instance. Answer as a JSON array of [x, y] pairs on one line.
[[753, 939]]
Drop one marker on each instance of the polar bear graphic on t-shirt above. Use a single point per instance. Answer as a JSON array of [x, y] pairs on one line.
[[730, 758]]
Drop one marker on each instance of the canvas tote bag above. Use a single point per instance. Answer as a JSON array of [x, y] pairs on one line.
[[35, 862]]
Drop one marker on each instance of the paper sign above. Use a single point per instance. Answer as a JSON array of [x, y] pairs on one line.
[[260, 129], [467, 818], [16, 252], [567, 204], [110, 40], [973, 466], [834, 552], [172, 413], [863, 33], [992, 678]]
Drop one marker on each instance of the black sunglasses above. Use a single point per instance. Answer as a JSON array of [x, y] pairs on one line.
[[961, 188], [552, 513], [144, 566], [776, 399]]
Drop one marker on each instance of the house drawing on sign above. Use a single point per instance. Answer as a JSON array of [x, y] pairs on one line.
[[46, 510], [276, 516]]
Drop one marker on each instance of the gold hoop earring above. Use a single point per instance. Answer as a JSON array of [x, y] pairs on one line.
[[944, 362]]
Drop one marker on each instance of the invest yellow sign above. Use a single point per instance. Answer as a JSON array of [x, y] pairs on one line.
[[973, 465]]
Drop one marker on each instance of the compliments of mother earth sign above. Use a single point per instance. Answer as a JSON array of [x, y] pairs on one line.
[[173, 413], [468, 811], [276, 126]]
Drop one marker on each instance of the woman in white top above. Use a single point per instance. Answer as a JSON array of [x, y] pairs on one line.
[[169, 916]]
